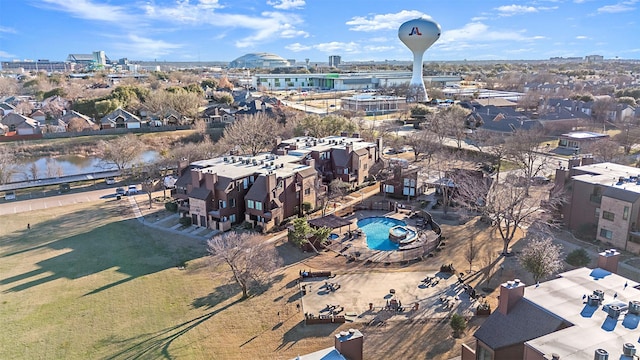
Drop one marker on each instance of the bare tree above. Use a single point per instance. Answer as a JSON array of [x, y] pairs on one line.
[[53, 168], [422, 142], [33, 171], [506, 206], [120, 152], [251, 134], [629, 136], [525, 148], [604, 150], [600, 110], [7, 164], [336, 190], [471, 252], [541, 257], [489, 258], [251, 262]]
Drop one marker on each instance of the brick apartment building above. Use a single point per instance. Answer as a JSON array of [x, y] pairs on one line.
[[267, 188], [581, 314], [603, 200]]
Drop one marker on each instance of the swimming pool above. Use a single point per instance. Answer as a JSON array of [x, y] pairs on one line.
[[377, 230]]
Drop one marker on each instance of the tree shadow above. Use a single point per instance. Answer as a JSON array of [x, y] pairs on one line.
[[291, 254], [301, 331], [218, 295], [157, 345], [127, 246]]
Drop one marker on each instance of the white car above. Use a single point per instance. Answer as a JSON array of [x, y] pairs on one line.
[[110, 180], [132, 190]]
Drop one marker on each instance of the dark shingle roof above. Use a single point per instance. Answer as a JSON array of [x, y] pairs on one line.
[[200, 193], [621, 194], [526, 321]]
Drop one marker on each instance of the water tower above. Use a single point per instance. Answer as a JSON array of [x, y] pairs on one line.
[[418, 35]]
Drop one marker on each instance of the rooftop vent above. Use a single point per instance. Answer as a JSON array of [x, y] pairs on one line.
[[628, 349], [226, 159], [601, 354], [593, 300], [600, 294], [634, 307], [614, 311]]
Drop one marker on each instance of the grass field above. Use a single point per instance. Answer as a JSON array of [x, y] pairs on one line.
[[88, 282]]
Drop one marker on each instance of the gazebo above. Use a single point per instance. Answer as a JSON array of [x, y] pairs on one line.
[[331, 221]]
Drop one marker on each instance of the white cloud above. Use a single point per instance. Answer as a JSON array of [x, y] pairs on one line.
[[373, 48], [287, 4], [581, 37], [297, 47], [142, 47], [479, 18], [88, 10], [4, 29], [6, 55], [383, 21], [350, 47], [623, 6], [510, 10], [480, 32]]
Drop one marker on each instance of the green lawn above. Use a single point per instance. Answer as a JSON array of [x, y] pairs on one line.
[[88, 283]]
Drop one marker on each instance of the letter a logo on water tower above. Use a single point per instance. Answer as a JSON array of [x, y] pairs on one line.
[[415, 31]]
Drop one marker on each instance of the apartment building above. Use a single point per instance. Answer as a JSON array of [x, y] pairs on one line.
[[267, 188], [581, 314], [602, 199]]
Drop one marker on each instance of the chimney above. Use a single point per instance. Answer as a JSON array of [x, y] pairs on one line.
[[510, 293], [349, 148], [196, 176], [271, 181], [587, 160], [344, 134], [210, 180], [311, 162], [350, 344], [561, 178], [608, 260], [355, 135], [573, 162], [379, 147]]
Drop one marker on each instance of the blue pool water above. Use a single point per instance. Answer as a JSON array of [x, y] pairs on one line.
[[377, 230], [333, 236]]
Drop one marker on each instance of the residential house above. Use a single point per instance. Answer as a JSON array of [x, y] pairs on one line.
[[120, 119], [21, 124], [267, 188], [6, 108], [575, 140], [39, 116], [75, 121], [580, 314], [403, 182], [501, 120], [602, 200]]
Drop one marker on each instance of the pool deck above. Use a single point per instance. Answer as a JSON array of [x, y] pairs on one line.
[[357, 247], [435, 301]]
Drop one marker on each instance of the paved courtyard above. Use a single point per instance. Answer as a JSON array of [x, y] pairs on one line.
[[355, 291]]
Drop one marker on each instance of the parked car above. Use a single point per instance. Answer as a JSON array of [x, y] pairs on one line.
[[64, 188], [121, 191], [132, 190], [110, 180], [10, 195], [540, 180]]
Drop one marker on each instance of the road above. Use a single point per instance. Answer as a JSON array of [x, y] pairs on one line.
[[46, 202]]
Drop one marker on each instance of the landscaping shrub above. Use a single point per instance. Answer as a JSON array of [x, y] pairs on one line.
[[171, 206], [578, 257], [185, 221], [458, 324]]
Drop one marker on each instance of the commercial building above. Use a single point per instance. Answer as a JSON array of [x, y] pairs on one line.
[[602, 200], [258, 61], [267, 188], [334, 60], [343, 81], [580, 314], [39, 65], [374, 104]]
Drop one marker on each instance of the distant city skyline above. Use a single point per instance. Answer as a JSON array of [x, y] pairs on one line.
[[356, 30]]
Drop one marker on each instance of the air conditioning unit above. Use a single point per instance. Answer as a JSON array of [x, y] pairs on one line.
[[593, 300], [601, 354], [614, 311], [600, 294], [634, 307], [628, 349]]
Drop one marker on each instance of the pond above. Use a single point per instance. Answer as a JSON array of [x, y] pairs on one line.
[[48, 167]]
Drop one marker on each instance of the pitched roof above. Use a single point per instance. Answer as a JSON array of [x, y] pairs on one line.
[[200, 193], [615, 192], [119, 113], [258, 190], [74, 114], [340, 157], [525, 321], [19, 121]]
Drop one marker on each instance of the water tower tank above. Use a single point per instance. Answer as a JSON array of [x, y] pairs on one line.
[[418, 35]]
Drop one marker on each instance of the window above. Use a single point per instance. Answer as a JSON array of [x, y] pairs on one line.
[[625, 213], [409, 191], [307, 191], [251, 179], [608, 215], [232, 202], [245, 183], [346, 171], [251, 204], [389, 189], [365, 166], [409, 182], [232, 218], [483, 353], [258, 205], [607, 234], [222, 204]]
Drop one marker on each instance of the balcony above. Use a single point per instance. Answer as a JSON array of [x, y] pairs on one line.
[[215, 213]]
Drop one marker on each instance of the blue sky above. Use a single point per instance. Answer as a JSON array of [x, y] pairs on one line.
[[222, 30]]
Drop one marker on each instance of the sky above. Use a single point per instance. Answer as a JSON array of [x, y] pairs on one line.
[[357, 30]]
